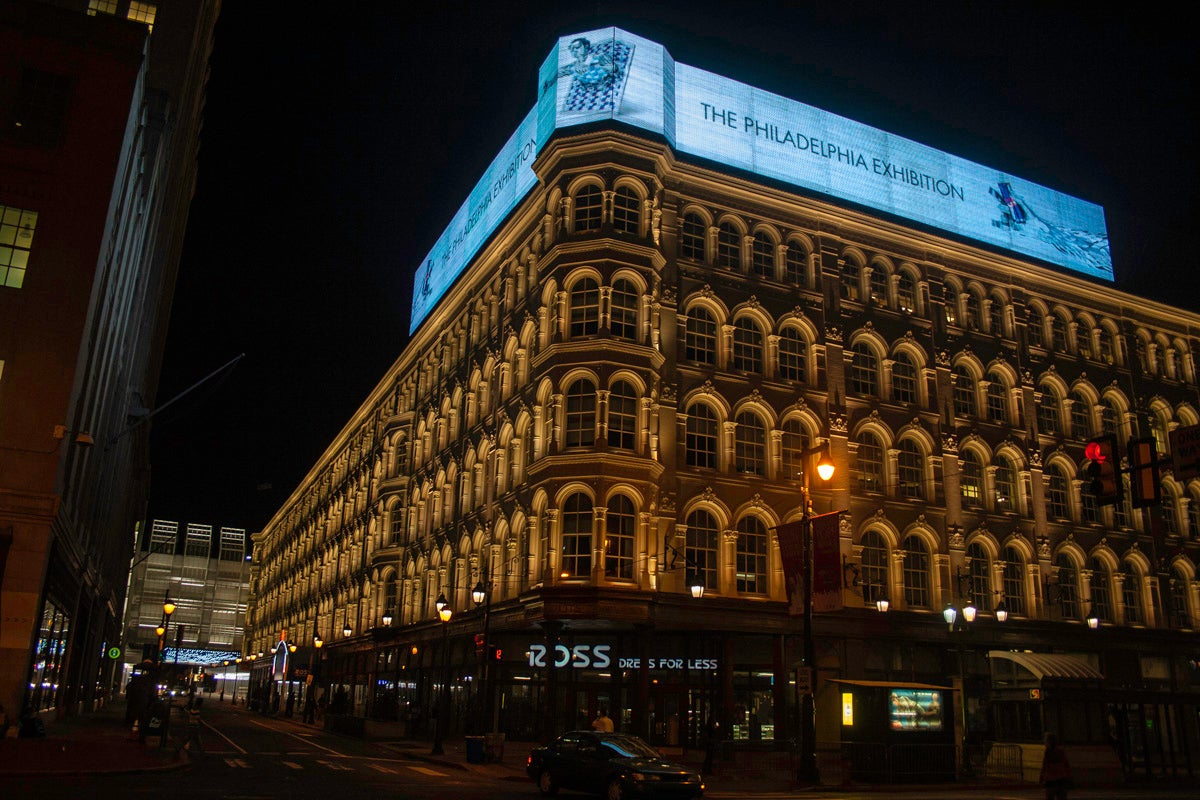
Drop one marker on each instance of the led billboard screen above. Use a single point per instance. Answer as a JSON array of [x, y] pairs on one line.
[[915, 710], [610, 74]]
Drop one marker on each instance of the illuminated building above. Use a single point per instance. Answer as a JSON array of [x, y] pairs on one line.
[[208, 580], [99, 127], [651, 308]]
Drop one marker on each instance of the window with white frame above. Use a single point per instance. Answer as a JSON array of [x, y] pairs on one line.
[[762, 255], [701, 438], [911, 470], [1014, 581], [751, 556], [589, 209], [585, 308], [619, 534], [916, 572], [622, 416], [577, 536], [623, 317], [700, 337], [750, 444], [729, 246], [747, 345], [701, 547], [627, 211], [793, 355], [580, 428]]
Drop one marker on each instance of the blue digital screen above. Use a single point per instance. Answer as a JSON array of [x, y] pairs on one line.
[[611, 74], [915, 710]]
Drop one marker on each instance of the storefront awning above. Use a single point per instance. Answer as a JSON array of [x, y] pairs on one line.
[[1055, 666], [891, 684]]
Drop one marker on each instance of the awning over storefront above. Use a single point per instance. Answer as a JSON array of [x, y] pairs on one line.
[[1053, 666], [891, 684]]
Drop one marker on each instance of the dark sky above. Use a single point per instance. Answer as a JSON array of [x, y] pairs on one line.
[[336, 147]]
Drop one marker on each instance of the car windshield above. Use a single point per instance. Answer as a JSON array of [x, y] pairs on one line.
[[629, 747]]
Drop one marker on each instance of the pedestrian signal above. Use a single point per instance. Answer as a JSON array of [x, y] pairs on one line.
[[1104, 470]]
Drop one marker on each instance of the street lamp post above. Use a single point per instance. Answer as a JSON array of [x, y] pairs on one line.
[[482, 595], [443, 716], [808, 772]]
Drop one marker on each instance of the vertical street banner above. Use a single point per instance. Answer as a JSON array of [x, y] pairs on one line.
[[791, 552], [827, 566]]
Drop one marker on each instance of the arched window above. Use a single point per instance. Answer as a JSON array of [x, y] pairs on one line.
[[1083, 340], [751, 556], [970, 478], [1056, 493], [996, 316], [577, 536], [964, 392], [1108, 417], [795, 264], [904, 379], [793, 441], [793, 355], [971, 304], [729, 246], [916, 573], [701, 442], [1180, 617], [619, 538], [750, 445], [1101, 591], [589, 207], [762, 256], [691, 238], [1081, 416], [1170, 516], [585, 308], [864, 370], [997, 399], [1058, 334], [879, 286], [581, 414], [851, 276], [979, 569], [701, 547], [911, 470], [869, 458], [627, 211], [1006, 484], [1107, 347], [950, 304], [874, 566], [1035, 327], [1089, 510], [1067, 586], [1014, 581], [747, 345], [622, 416], [906, 292], [700, 337], [1047, 413], [623, 321], [1193, 514], [1131, 594]]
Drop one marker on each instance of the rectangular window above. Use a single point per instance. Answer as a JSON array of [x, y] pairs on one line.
[[101, 7], [16, 240], [142, 12]]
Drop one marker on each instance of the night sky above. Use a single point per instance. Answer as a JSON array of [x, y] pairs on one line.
[[336, 147]]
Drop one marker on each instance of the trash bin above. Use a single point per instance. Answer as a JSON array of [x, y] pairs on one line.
[[475, 751], [495, 746]]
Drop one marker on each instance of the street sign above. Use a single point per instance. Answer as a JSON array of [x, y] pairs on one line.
[[114, 653], [804, 680], [1185, 452]]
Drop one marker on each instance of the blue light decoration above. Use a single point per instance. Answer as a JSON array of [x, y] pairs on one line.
[[192, 655], [610, 74]]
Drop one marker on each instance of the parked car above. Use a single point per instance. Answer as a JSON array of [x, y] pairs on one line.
[[616, 765]]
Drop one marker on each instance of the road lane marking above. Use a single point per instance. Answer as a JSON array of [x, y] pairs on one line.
[[292, 765], [338, 767], [428, 771], [302, 739], [232, 743], [237, 763]]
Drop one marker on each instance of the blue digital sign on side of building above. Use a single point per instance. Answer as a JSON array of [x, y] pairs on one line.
[[611, 74]]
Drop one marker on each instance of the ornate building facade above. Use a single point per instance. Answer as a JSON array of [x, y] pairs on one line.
[[618, 397]]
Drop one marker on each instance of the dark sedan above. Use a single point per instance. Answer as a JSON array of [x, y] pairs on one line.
[[616, 765]]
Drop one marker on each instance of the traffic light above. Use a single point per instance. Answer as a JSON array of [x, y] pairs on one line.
[[495, 653], [1104, 470], [1145, 490], [479, 641]]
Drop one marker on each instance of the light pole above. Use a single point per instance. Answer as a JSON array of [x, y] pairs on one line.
[[237, 676], [482, 595], [443, 715], [808, 772]]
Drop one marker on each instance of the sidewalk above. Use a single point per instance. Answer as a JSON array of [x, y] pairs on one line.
[[100, 742]]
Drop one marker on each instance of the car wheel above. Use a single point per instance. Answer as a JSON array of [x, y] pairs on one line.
[[546, 783], [615, 790]]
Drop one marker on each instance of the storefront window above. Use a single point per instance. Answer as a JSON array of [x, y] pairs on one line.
[[49, 656], [753, 707]]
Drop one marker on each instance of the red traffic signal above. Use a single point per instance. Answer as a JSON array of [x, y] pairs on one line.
[[1104, 470]]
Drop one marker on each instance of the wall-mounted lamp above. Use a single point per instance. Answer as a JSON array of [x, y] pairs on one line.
[[1093, 619], [82, 438]]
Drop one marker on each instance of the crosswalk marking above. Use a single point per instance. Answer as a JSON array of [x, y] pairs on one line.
[[428, 771], [292, 765], [237, 763], [383, 769], [338, 767]]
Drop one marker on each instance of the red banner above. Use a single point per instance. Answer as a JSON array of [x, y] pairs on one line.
[[827, 563], [827, 566], [791, 552]]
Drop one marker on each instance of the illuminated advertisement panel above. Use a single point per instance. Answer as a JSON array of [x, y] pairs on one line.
[[609, 74], [915, 710]]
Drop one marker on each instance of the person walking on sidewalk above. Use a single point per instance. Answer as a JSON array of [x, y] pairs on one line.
[[1056, 770], [602, 723], [192, 726]]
